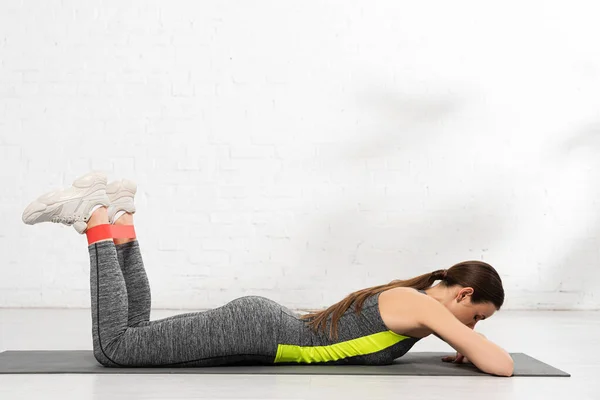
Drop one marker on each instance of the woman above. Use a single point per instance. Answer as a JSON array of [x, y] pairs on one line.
[[371, 326]]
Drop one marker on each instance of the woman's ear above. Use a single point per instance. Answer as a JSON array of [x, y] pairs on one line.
[[464, 293]]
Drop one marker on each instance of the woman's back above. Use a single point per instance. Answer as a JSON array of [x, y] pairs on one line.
[[362, 338]]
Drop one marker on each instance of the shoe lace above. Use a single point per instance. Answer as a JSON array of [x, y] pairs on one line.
[[68, 219]]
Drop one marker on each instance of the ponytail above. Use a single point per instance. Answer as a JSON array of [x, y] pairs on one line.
[[318, 319]]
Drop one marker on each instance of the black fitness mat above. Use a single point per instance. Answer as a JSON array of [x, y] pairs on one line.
[[417, 363]]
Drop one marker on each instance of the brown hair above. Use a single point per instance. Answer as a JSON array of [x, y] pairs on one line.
[[482, 277]]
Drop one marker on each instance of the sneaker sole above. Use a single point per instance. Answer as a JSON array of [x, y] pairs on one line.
[[89, 183]]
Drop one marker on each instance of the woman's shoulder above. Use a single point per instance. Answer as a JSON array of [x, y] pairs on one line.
[[402, 296], [400, 308], [403, 293]]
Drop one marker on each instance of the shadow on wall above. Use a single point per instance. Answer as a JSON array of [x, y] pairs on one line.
[[578, 270], [387, 237], [381, 226], [408, 123]]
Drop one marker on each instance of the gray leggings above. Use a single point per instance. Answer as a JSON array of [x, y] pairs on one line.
[[250, 330], [244, 331]]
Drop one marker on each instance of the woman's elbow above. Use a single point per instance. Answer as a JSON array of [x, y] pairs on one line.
[[506, 370], [511, 368]]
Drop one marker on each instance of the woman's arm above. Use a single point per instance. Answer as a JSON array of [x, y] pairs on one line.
[[486, 356]]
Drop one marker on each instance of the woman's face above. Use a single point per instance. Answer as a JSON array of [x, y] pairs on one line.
[[466, 312]]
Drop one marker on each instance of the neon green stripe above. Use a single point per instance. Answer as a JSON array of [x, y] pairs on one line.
[[350, 348]]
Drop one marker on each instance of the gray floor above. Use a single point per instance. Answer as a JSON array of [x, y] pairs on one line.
[[568, 340]]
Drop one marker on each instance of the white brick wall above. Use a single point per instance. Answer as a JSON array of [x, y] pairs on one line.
[[304, 150]]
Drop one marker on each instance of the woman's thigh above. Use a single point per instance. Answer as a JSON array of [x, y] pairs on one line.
[[245, 329]]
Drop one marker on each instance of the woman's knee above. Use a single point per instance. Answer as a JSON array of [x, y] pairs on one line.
[[108, 357], [102, 358]]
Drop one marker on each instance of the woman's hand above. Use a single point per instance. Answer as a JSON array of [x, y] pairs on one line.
[[458, 358]]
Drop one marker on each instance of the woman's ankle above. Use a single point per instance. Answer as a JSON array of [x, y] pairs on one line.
[[125, 219], [98, 217], [122, 241]]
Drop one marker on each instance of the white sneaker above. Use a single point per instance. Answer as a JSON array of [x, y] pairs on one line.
[[121, 194], [71, 206]]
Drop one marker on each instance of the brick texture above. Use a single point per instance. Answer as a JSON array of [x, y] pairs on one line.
[[302, 151]]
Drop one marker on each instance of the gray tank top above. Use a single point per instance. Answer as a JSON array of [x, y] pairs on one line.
[[363, 338]]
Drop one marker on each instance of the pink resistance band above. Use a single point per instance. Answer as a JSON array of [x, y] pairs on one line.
[[107, 231]]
